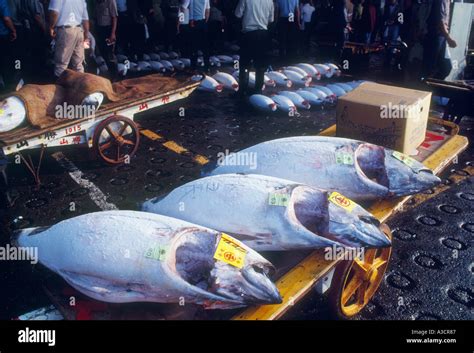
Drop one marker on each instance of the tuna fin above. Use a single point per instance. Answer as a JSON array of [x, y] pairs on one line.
[[102, 289], [26, 232]]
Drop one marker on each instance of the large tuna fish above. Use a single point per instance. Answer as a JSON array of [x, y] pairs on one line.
[[297, 78], [167, 64], [280, 79], [344, 86], [127, 256], [157, 66], [298, 70], [210, 85], [284, 103], [335, 70], [310, 70], [262, 103], [338, 90], [358, 170], [227, 80], [297, 100], [310, 97], [324, 70], [268, 213], [178, 64]]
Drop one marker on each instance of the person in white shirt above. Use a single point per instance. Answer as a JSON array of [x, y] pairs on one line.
[[69, 26], [256, 15]]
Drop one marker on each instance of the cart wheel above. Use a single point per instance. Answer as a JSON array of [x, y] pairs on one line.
[[116, 139], [355, 282]]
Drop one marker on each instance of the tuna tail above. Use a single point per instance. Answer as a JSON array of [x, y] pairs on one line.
[[145, 205], [208, 168], [19, 236]]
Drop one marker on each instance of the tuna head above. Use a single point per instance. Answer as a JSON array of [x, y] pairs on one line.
[[370, 166], [406, 175], [223, 271], [333, 219], [353, 226], [390, 173]]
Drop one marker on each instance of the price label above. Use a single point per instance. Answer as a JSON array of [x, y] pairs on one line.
[[156, 253], [230, 251], [344, 158], [342, 201], [278, 199], [404, 159]]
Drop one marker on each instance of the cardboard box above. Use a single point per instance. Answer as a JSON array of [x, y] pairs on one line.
[[388, 116]]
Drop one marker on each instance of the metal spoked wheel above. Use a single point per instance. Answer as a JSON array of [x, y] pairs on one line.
[[116, 139], [355, 282]]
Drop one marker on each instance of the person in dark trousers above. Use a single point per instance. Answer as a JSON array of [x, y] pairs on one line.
[[365, 26], [170, 10], [199, 11], [437, 38], [106, 15], [30, 26], [139, 11], [256, 15], [8, 37], [184, 32], [391, 21], [124, 35], [307, 25], [288, 28], [339, 24], [217, 23]]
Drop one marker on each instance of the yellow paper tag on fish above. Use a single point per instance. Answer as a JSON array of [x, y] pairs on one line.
[[278, 199], [230, 251], [344, 158], [156, 253], [1, 111], [342, 201], [404, 159]]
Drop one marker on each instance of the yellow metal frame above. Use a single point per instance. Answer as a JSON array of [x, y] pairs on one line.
[[300, 279]]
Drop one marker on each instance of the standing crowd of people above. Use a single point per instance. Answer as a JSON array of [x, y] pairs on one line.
[[31, 31]]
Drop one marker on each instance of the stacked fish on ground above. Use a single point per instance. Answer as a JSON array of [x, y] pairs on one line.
[[300, 76]]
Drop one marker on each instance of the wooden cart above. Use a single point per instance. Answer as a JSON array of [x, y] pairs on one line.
[[111, 132], [460, 94]]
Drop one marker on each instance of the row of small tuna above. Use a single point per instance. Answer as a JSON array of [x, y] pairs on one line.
[[299, 75], [199, 242], [303, 98], [161, 62]]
